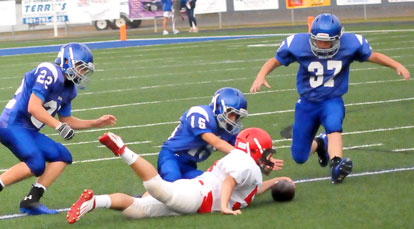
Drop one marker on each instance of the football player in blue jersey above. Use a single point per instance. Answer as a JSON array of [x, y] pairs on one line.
[[45, 91], [324, 56], [202, 130]]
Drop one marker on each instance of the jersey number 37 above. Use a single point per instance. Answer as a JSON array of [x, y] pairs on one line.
[[317, 68]]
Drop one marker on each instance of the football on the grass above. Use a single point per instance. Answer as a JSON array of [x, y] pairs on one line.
[[283, 190]]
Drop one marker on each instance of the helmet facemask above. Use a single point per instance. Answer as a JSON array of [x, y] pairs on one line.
[[76, 62], [79, 73], [321, 52], [325, 28], [226, 123], [266, 166], [264, 163]]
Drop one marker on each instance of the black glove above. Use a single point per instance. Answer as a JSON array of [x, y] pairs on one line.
[[65, 131]]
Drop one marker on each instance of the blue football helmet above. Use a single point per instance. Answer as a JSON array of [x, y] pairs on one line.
[[325, 27], [76, 62], [227, 101]]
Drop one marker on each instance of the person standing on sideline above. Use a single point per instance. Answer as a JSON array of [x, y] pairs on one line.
[[168, 15], [190, 5], [45, 91], [324, 56]]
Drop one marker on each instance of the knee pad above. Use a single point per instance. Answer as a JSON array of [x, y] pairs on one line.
[[135, 211], [147, 207], [158, 188]]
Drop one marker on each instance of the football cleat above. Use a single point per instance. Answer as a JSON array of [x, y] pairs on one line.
[[85, 204], [37, 209], [113, 142], [322, 149], [339, 172]]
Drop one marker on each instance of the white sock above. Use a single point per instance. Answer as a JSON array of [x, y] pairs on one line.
[[37, 185], [102, 201], [129, 156]]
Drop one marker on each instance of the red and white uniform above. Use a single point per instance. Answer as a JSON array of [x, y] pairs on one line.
[[201, 194], [243, 169]]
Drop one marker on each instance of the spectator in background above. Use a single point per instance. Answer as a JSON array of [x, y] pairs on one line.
[[190, 5], [168, 13]]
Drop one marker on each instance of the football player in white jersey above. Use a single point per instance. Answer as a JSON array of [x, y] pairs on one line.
[[324, 56], [227, 186]]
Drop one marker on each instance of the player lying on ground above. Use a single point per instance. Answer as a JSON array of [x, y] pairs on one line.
[[227, 186]]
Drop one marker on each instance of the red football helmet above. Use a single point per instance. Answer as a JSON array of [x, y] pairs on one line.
[[258, 144]]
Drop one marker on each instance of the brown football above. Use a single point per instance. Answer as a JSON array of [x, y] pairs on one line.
[[283, 190]]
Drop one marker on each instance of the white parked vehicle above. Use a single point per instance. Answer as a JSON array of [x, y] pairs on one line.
[[122, 20]]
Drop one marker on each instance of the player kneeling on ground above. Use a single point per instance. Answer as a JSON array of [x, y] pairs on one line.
[[227, 186]]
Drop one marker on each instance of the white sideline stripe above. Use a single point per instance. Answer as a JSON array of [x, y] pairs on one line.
[[203, 97], [110, 158], [23, 215], [156, 153], [12, 216], [89, 142], [193, 98], [100, 159], [131, 143], [346, 105], [345, 148], [403, 150], [357, 174], [207, 82], [254, 114], [362, 146], [361, 132]]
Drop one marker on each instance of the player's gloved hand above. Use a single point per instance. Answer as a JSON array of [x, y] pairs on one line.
[[65, 131]]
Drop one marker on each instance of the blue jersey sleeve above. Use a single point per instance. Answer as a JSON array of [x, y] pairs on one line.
[[45, 78], [364, 50], [198, 124], [284, 54], [65, 110]]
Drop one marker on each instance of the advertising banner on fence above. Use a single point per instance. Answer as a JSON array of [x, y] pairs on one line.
[[145, 9], [210, 6], [7, 13], [241, 5], [357, 2], [86, 11], [42, 11], [293, 4]]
